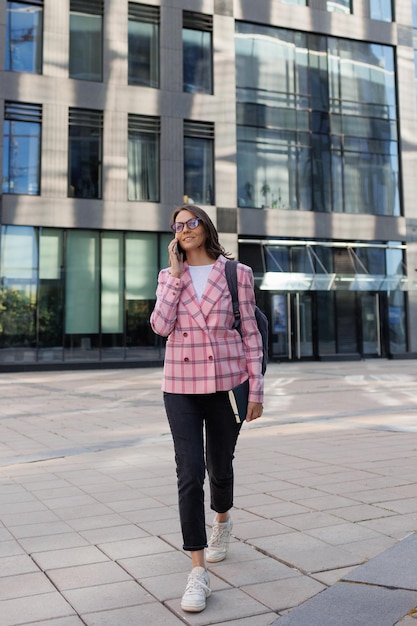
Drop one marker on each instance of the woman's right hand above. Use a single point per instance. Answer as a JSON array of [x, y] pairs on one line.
[[176, 259]]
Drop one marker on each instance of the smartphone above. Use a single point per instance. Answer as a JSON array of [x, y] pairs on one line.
[[178, 251]]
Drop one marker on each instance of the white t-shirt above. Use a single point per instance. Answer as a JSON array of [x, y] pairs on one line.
[[199, 275]]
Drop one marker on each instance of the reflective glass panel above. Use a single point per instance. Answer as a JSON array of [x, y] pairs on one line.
[[85, 61], [24, 37], [19, 277], [84, 162], [197, 62], [397, 322], [21, 157], [141, 279], [143, 54], [274, 170], [82, 282], [198, 170], [143, 166], [112, 283], [51, 294], [339, 6], [380, 10]]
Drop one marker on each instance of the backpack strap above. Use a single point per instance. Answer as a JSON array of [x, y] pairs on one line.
[[231, 277]]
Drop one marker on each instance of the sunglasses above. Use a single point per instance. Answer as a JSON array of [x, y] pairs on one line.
[[192, 223]]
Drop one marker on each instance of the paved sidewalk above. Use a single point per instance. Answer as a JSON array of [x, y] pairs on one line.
[[325, 503]]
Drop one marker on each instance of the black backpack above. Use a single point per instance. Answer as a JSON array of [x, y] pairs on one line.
[[261, 318]]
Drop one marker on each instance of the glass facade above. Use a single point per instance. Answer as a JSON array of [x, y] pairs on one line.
[[332, 298], [302, 142], [316, 116], [21, 148], [143, 43], [24, 34], [77, 295], [86, 34]]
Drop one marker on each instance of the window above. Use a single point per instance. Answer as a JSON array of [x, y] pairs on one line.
[[24, 36], [22, 148], [143, 158], [339, 6], [85, 153], [379, 10], [18, 278], [363, 127], [316, 117], [197, 53], [143, 56], [86, 32], [198, 162]]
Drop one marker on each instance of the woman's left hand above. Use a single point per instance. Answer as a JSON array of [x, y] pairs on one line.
[[255, 410]]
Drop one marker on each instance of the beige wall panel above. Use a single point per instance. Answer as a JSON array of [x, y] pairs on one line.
[[278, 223], [115, 156], [403, 11], [56, 38], [172, 162], [201, 6], [115, 42], [229, 243], [225, 111], [54, 159], [171, 49]]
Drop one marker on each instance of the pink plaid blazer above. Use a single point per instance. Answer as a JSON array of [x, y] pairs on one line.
[[204, 354]]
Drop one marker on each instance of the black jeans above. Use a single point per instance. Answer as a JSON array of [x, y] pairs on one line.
[[191, 416]]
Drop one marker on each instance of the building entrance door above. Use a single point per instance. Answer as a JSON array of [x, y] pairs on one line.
[[370, 324], [292, 325]]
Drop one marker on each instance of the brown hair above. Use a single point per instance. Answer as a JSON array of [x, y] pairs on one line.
[[212, 244]]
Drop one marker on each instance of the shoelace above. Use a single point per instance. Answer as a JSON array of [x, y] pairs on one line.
[[219, 534], [195, 583]]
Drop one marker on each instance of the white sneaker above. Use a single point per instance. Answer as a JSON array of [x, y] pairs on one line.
[[218, 544], [197, 591]]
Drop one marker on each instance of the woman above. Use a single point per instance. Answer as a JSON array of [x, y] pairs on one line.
[[205, 358]]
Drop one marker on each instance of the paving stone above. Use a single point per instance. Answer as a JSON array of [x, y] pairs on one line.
[[18, 564], [306, 553], [107, 596], [87, 575], [279, 595], [153, 613], [54, 559], [347, 604], [39, 608], [396, 567], [229, 604], [24, 585], [60, 621], [256, 571], [135, 547]]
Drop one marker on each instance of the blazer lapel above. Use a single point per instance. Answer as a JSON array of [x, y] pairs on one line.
[[215, 287], [189, 300]]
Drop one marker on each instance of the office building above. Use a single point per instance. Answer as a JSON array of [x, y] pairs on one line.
[[292, 122]]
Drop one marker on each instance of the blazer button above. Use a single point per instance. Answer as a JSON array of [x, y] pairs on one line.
[[186, 359]]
